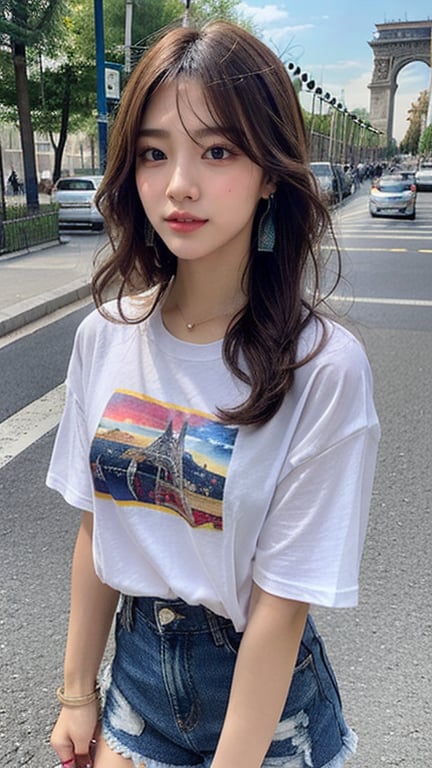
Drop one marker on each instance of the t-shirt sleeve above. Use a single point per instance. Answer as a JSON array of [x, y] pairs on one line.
[[69, 470], [311, 544]]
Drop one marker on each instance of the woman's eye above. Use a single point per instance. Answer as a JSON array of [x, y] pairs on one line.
[[218, 153], [151, 154]]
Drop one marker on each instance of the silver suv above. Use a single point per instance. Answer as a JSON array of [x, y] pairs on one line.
[[75, 198], [328, 182]]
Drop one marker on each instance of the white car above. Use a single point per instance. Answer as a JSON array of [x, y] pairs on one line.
[[393, 195], [75, 198], [423, 176]]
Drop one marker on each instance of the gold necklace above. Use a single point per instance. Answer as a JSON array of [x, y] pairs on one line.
[[191, 326]]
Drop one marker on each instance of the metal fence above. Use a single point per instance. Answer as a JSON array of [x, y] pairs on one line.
[[19, 233]]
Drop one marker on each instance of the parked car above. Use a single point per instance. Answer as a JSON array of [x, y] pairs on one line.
[[423, 176], [328, 182], [393, 195], [75, 198]]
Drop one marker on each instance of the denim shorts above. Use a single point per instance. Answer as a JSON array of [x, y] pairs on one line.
[[168, 686]]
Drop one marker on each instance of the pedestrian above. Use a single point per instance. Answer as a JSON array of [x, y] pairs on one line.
[[13, 181], [219, 432]]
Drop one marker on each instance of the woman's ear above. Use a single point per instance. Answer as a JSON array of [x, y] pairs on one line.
[[269, 188]]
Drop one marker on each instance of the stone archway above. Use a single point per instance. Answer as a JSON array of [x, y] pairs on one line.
[[395, 44]]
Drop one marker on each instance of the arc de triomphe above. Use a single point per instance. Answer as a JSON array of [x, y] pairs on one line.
[[395, 44]]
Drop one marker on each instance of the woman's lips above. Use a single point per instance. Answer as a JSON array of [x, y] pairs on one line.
[[184, 223]]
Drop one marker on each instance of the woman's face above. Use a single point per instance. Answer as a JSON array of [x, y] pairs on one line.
[[199, 192]]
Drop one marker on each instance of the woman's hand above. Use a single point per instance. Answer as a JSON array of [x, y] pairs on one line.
[[74, 733]]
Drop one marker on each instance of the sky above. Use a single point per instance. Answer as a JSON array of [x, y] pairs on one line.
[[329, 41]]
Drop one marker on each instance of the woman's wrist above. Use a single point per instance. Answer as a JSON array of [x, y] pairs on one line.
[[79, 677], [80, 700]]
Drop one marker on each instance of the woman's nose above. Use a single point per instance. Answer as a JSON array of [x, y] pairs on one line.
[[182, 185]]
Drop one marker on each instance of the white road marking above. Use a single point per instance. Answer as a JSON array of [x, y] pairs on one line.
[[370, 300], [389, 236], [29, 424]]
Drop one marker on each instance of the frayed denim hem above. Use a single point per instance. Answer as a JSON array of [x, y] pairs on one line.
[[139, 761], [349, 747]]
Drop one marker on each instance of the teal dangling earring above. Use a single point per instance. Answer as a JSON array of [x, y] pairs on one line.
[[266, 228]]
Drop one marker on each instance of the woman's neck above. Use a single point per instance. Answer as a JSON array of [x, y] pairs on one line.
[[201, 303]]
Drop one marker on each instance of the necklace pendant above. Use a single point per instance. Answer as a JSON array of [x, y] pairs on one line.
[[190, 326]]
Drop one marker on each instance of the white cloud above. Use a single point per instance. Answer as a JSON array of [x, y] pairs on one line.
[[338, 66], [347, 79], [355, 90], [271, 17], [266, 14]]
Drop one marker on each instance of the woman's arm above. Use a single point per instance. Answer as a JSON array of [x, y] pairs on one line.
[[91, 613], [261, 681], [92, 608]]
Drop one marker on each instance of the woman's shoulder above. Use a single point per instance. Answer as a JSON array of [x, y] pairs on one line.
[[114, 319], [332, 340], [336, 382], [333, 356]]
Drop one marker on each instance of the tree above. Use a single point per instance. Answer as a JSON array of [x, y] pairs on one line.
[[149, 18], [24, 23], [67, 88], [62, 96], [417, 118], [229, 10], [425, 144]]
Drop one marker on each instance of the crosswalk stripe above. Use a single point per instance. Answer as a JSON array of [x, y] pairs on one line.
[[29, 424], [348, 248], [352, 234], [381, 300]]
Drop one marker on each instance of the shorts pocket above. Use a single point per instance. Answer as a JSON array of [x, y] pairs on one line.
[[232, 639], [120, 714]]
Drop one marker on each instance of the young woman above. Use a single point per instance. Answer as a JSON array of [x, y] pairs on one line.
[[219, 433]]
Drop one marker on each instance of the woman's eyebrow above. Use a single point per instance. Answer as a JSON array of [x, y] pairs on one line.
[[200, 133]]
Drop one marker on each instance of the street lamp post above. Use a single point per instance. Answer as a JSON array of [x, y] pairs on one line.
[[128, 36], [185, 22], [102, 117], [2, 200]]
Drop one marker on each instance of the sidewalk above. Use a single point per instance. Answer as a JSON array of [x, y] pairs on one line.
[[33, 284]]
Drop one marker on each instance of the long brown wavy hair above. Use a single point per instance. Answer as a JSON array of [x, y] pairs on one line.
[[247, 88]]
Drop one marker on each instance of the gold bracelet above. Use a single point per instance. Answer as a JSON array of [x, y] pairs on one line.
[[77, 701]]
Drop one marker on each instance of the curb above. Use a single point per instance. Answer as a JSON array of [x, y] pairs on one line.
[[24, 312], [31, 249]]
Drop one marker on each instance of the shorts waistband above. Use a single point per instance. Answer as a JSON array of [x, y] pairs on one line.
[[173, 616]]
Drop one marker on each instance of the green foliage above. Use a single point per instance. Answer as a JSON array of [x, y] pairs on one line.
[[28, 22], [60, 36], [417, 115], [148, 17], [205, 10], [317, 123], [21, 231], [8, 110], [425, 143], [362, 114]]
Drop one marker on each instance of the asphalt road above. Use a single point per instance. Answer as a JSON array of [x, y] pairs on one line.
[[381, 650]]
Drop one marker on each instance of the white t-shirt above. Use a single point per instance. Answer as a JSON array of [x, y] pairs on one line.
[[187, 506]]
